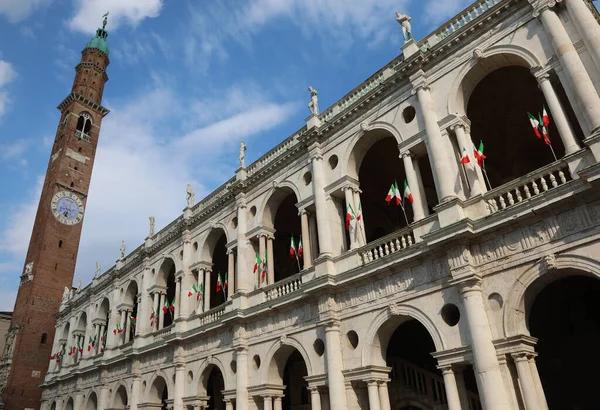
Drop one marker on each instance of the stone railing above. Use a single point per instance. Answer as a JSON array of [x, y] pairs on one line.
[[164, 332], [526, 187], [284, 287], [273, 154], [385, 246], [211, 315], [460, 20], [82, 135], [214, 196], [355, 95]]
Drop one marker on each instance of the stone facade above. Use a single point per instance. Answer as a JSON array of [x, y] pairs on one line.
[[435, 307]]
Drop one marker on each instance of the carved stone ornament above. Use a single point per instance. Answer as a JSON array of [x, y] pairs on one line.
[[364, 126], [283, 339], [549, 262], [27, 273], [478, 54], [394, 309]]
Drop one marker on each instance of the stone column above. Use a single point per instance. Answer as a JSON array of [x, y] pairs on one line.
[[324, 231], [156, 305], [177, 298], [413, 184], [276, 403], [462, 389], [201, 289], [587, 26], [384, 396], [415, 162], [241, 378], [103, 399], [270, 260], [538, 383], [179, 384], [584, 89], [528, 390], [439, 156], [128, 326], [558, 114], [243, 271], [135, 392], [230, 273], [373, 391], [475, 182], [262, 251], [306, 243], [120, 339], [207, 285], [267, 403], [161, 314], [97, 336], [103, 337], [78, 403], [354, 226], [312, 227], [508, 382], [492, 392], [143, 313], [335, 377], [315, 398], [228, 404], [451, 387]]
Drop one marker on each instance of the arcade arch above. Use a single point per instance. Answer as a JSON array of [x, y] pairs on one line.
[[120, 400], [69, 405], [288, 369], [131, 300], [164, 302], [214, 253], [211, 386], [159, 393]]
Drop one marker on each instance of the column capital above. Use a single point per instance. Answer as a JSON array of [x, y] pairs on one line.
[[372, 382], [419, 82], [302, 211], [405, 153], [470, 284], [446, 369], [541, 74], [332, 325], [521, 356], [540, 5]]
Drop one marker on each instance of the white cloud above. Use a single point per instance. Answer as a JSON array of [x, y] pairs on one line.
[[7, 75], [18, 10], [89, 12]]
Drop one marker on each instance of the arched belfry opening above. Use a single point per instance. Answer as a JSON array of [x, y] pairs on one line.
[[564, 315], [378, 165], [406, 346], [498, 108], [288, 370], [281, 223], [215, 253], [212, 385]]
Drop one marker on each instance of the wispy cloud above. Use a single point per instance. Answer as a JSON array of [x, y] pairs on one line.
[[88, 13], [7, 75], [18, 10]]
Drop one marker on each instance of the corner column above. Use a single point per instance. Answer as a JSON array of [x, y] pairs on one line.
[[570, 61], [471, 170], [177, 298], [440, 157], [558, 114], [207, 284], [267, 403], [493, 393], [384, 396], [413, 184], [156, 305], [315, 398], [335, 377], [161, 314], [179, 383], [135, 388], [128, 326], [306, 242], [373, 392], [324, 231], [362, 235], [262, 251], [538, 383]]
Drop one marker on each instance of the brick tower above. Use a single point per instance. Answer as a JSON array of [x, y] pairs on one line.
[[50, 262]]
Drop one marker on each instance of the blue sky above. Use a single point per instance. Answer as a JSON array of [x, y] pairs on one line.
[[188, 81]]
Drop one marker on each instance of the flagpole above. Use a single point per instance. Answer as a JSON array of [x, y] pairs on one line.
[[404, 212], [486, 175]]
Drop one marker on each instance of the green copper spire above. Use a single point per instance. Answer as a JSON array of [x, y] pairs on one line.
[[99, 41]]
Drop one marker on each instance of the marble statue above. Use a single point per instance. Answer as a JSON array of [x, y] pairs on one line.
[[242, 153], [190, 196], [123, 248], [98, 270], [313, 105], [404, 21], [152, 221], [65, 296], [79, 284]]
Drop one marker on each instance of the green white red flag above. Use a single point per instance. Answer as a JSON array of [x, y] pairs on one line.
[[292, 247], [407, 194], [397, 193], [350, 215], [479, 156], [219, 282], [464, 159], [535, 124], [300, 248], [359, 214], [389, 196], [258, 263]]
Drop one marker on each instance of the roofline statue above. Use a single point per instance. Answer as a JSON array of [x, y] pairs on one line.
[[404, 21]]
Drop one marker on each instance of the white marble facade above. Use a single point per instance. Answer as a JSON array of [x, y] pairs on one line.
[[335, 331]]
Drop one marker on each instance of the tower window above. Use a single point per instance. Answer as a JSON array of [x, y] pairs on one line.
[[75, 168], [60, 243], [44, 337], [72, 184], [80, 149]]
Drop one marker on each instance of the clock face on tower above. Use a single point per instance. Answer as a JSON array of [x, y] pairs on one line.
[[67, 208]]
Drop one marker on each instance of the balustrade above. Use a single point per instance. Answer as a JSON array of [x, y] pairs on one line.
[[284, 287], [385, 246], [465, 17]]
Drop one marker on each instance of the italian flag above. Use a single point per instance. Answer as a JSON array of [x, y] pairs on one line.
[[152, 318], [193, 291], [292, 247], [535, 125], [359, 214], [407, 194], [397, 193], [300, 248], [219, 282], [545, 118], [390, 195], [133, 321], [258, 263], [80, 348], [264, 267], [172, 306], [545, 121], [117, 329], [465, 157], [350, 214], [479, 154], [91, 343], [225, 284], [200, 293], [166, 306]]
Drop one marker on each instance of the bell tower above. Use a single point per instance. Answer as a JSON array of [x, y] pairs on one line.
[[50, 263]]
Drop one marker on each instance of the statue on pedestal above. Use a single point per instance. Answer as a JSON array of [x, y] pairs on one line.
[[242, 153], [313, 105], [151, 232], [190, 196], [98, 270], [122, 250], [404, 21]]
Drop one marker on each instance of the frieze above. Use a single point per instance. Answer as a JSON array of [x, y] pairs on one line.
[[282, 320], [160, 357], [209, 343], [118, 370]]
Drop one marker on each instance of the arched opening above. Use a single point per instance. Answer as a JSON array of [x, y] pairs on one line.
[[219, 270], [159, 393], [120, 400], [287, 226], [213, 384], [166, 277], [564, 316], [497, 109], [406, 346], [131, 298], [69, 405], [379, 166], [289, 369], [103, 313], [53, 406]]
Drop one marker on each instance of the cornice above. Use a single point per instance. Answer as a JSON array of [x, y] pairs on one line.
[[80, 98]]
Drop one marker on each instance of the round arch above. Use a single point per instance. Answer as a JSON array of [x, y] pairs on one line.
[[385, 323], [203, 373], [81, 321], [69, 404], [277, 357], [478, 67], [270, 204], [120, 399], [131, 291], [103, 308], [210, 242], [153, 392], [162, 275], [66, 330], [362, 141], [550, 268], [92, 401]]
